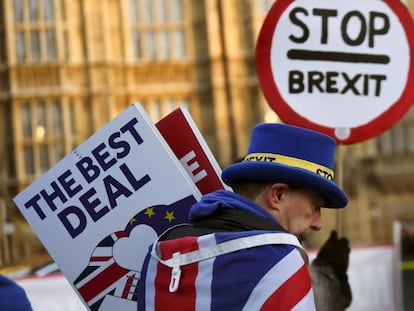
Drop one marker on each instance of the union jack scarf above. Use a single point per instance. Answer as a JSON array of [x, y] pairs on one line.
[[221, 271]]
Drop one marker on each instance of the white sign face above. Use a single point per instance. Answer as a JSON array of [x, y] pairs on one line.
[[315, 60], [100, 207], [335, 64]]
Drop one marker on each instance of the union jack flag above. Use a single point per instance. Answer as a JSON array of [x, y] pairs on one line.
[[104, 276], [250, 277]]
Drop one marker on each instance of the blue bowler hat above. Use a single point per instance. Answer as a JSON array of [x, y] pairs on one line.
[[292, 155]]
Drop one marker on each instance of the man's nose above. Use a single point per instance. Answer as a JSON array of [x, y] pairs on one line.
[[317, 222]]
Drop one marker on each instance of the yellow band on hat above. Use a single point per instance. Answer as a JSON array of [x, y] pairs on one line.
[[278, 158]]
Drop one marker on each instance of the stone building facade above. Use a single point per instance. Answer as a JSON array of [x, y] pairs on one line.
[[68, 66]]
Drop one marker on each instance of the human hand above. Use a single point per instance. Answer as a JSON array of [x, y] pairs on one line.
[[335, 253], [334, 256]]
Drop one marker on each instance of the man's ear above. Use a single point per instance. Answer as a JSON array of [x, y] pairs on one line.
[[275, 194]]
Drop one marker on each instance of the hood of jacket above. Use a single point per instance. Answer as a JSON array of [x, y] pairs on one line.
[[224, 199]]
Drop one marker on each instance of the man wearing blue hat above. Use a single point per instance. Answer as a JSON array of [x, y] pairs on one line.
[[242, 250]]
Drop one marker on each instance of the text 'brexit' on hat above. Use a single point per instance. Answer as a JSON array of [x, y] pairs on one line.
[[292, 155]]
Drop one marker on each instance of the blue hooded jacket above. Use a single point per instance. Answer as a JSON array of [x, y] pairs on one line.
[[12, 296]]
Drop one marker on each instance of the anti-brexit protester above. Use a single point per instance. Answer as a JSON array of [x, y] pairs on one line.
[[242, 250]]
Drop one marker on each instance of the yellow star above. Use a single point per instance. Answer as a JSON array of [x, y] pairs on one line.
[[132, 220], [169, 216], [149, 212]]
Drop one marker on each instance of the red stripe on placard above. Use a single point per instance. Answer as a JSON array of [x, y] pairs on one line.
[[102, 281], [100, 258], [183, 139]]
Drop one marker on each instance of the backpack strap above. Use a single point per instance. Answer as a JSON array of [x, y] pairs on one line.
[[215, 250]]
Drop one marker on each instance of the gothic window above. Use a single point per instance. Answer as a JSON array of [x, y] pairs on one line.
[[170, 105], [155, 110], [159, 108], [42, 130], [157, 29], [264, 5], [399, 139], [409, 128], [35, 27], [29, 161], [18, 11], [185, 103], [2, 36], [26, 121], [20, 46], [35, 45], [385, 143]]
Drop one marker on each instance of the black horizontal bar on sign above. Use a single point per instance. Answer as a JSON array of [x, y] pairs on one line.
[[338, 56]]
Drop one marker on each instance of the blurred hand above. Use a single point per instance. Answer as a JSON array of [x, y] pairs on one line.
[[335, 252]]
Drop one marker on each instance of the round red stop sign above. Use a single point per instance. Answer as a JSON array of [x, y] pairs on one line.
[[339, 67]]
